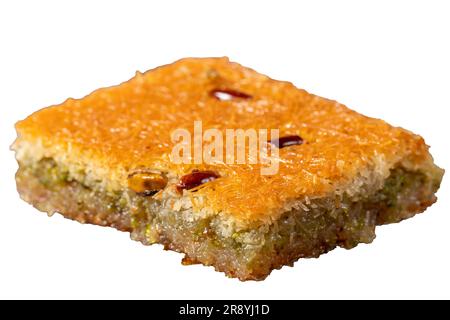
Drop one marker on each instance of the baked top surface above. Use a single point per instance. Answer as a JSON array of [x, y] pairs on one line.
[[128, 126]]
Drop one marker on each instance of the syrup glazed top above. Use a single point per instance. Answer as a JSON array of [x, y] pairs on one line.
[[128, 126]]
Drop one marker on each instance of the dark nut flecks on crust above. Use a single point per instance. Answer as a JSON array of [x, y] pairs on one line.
[[287, 141], [146, 183], [229, 94], [195, 179]]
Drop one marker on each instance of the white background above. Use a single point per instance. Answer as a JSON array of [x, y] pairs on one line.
[[386, 59]]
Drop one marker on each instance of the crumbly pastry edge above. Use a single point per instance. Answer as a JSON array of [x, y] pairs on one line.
[[82, 166]]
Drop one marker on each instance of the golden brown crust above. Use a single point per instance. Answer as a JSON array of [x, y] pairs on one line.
[[128, 126]]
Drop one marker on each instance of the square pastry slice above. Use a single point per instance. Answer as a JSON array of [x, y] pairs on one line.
[[108, 159]]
